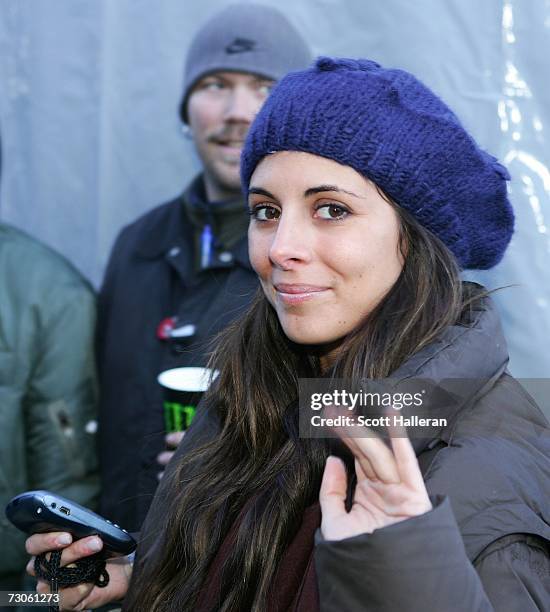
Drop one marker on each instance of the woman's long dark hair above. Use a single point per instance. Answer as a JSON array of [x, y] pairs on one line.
[[258, 472]]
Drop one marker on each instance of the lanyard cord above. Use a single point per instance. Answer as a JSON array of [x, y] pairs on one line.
[[90, 569]]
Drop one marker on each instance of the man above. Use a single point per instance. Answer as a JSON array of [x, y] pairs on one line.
[[180, 273], [48, 391]]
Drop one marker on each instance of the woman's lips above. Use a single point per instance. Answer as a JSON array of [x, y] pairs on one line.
[[296, 294]]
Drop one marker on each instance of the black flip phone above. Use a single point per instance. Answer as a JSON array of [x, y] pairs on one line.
[[43, 511]]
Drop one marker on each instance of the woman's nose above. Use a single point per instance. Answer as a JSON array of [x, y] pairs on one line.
[[291, 243]]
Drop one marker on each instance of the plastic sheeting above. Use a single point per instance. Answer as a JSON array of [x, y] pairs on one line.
[[89, 92]]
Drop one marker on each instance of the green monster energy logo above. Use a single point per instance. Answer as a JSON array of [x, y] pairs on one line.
[[177, 417]]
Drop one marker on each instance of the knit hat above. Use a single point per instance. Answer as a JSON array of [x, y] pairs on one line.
[[244, 38], [392, 129]]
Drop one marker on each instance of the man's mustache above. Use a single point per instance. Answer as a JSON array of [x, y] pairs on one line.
[[230, 133]]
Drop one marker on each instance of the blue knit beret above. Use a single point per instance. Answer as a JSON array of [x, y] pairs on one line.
[[392, 129]]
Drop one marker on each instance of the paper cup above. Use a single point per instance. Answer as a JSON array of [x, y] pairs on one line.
[[182, 392]]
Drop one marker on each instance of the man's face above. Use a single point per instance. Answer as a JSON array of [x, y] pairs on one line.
[[220, 109]]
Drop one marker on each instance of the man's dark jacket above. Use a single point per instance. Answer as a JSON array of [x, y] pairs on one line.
[[151, 276]]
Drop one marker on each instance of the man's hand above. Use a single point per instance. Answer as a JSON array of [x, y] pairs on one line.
[[172, 440], [86, 595]]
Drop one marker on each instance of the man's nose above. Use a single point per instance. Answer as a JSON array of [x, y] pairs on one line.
[[291, 244], [242, 105]]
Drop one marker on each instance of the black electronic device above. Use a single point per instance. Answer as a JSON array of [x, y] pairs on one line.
[[43, 511]]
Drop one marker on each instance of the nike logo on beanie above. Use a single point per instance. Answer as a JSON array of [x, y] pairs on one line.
[[240, 45]]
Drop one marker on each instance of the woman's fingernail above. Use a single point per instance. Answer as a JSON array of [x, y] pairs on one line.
[[64, 539], [95, 544]]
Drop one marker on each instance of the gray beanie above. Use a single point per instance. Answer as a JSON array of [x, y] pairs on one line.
[[244, 38]]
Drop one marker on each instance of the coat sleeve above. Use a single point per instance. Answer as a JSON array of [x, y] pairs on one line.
[[515, 573], [61, 399], [421, 564], [105, 295]]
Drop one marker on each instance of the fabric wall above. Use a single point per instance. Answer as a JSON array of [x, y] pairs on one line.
[[88, 110]]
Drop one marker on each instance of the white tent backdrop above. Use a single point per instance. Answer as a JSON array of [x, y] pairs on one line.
[[89, 92]]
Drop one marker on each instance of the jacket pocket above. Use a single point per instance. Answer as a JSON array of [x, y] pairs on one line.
[[67, 434]]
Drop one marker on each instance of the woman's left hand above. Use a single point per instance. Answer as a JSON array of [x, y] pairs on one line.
[[390, 488]]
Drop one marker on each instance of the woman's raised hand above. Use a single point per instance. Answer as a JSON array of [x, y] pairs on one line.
[[390, 488], [86, 595]]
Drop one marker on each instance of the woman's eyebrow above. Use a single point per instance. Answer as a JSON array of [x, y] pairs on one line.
[[322, 188], [261, 191], [307, 192]]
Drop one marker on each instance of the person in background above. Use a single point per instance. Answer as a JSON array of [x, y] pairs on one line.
[[180, 273], [48, 387]]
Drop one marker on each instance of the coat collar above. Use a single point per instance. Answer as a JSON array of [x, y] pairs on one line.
[[460, 365], [171, 228], [165, 230], [473, 348]]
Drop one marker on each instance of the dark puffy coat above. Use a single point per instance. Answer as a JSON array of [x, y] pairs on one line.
[[485, 545], [151, 276], [48, 389]]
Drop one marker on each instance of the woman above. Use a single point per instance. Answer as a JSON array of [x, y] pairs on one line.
[[366, 196]]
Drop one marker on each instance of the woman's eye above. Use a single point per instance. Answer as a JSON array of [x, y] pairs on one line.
[[332, 211], [265, 213]]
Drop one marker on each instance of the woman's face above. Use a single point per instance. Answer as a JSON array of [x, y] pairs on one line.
[[324, 243]]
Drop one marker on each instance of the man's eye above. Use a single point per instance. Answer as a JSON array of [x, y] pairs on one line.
[[213, 85], [265, 213], [332, 212], [265, 89]]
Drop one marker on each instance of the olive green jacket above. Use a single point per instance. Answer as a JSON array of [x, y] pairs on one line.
[[47, 383]]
